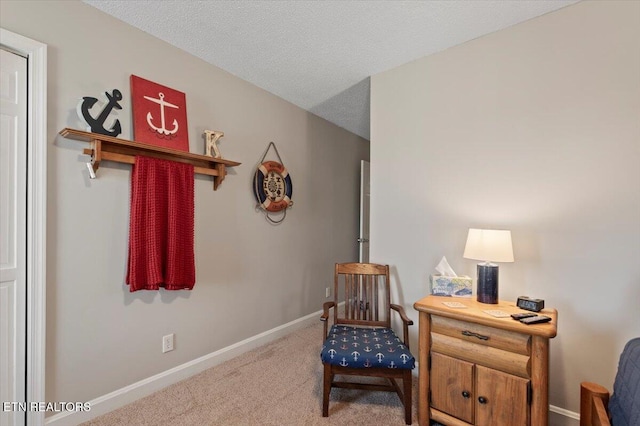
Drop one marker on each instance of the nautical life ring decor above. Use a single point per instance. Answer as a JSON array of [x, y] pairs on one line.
[[275, 182], [272, 187]]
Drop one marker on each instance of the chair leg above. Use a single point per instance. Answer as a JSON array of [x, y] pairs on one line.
[[406, 381], [326, 389]]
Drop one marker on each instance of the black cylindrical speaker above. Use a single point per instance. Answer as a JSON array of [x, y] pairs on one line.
[[487, 284]]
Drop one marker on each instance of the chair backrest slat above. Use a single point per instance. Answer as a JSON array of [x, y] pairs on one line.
[[366, 294]]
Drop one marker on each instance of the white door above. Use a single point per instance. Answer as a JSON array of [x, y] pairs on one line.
[[363, 240], [13, 214]]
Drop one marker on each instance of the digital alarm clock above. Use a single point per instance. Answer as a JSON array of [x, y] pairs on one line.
[[535, 305]]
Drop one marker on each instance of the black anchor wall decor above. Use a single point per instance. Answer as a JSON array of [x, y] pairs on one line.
[[97, 124]]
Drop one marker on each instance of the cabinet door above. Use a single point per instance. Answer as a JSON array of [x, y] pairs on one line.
[[452, 386], [501, 398]]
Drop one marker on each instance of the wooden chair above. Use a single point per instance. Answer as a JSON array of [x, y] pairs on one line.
[[361, 341], [596, 409], [594, 403]]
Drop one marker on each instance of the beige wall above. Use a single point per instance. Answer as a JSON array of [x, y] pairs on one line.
[[251, 276], [536, 129]]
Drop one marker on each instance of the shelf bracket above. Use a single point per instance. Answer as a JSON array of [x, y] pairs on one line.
[[217, 180], [96, 156]]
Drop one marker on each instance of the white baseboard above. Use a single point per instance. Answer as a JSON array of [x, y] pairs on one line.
[[135, 391], [561, 417]]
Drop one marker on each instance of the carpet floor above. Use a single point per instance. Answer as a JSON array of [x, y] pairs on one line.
[[277, 384]]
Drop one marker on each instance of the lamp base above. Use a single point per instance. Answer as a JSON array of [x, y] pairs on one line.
[[487, 284]]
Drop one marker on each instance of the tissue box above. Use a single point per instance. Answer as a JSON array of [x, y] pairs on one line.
[[442, 285]]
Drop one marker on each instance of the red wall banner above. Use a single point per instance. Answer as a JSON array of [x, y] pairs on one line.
[[159, 115]]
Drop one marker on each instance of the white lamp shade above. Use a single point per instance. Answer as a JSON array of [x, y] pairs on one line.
[[489, 245]]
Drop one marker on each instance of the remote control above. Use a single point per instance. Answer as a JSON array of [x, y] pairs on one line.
[[535, 320], [523, 315]]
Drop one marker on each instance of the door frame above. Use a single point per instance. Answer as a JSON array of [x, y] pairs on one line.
[[365, 212], [36, 53]]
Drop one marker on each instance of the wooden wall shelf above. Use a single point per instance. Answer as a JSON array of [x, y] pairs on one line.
[[107, 148]]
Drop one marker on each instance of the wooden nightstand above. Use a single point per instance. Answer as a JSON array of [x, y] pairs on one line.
[[479, 369]]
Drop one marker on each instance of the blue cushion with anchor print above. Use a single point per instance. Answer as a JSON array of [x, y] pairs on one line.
[[358, 347]]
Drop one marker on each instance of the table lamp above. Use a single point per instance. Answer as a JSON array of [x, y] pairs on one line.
[[490, 246]]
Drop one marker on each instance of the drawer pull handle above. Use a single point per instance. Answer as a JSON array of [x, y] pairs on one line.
[[472, 334], [482, 400], [466, 394]]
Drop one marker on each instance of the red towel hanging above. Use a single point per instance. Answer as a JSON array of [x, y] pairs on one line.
[[161, 228]]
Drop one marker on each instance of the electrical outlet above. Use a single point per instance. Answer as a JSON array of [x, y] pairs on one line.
[[167, 343], [327, 292]]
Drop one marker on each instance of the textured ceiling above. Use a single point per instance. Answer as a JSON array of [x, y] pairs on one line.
[[319, 55]]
